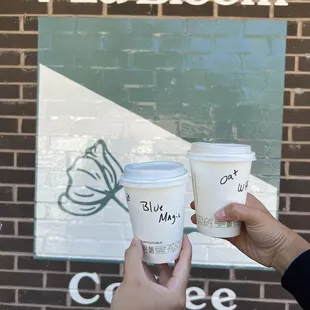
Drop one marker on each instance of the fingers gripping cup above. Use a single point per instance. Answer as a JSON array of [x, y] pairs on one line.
[[155, 198], [220, 174]]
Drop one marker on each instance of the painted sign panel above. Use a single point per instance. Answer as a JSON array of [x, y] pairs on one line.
[[116, 91]]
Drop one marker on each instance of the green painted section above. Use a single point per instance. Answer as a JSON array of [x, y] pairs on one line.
[[213, 80]]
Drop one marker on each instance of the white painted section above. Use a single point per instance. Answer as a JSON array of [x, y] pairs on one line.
[[71, 119]]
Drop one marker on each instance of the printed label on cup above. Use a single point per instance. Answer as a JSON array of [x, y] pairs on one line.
[[211, 222], [151, 247]]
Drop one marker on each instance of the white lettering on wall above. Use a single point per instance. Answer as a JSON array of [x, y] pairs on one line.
[[194, 294], [217, 300], [74, 288], [196, 2], [281, 3], [226, 2], [109, 292], [152, 1], [192, 2]]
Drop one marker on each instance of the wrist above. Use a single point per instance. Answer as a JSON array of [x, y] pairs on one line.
[[292, 246]]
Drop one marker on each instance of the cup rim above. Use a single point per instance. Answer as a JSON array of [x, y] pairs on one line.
[[159, 183]]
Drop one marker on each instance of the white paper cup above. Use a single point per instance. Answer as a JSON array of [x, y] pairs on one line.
[[220, 175], [155, 194]]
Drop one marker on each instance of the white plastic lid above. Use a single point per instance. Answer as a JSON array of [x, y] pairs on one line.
[[154, 174], [226, 152]]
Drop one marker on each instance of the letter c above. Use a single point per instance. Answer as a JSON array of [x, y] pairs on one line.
[[74, 288]]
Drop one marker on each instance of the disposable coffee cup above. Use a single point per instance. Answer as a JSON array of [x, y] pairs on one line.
[[155, 193], [220, 175]]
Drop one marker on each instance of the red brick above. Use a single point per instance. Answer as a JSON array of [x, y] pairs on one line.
[[297, 80], [18, 108], [29, 126], [132, 8], [17, 41], [22, 7], [6, 194], [296, 116], [299, 168], [31, 58], [239, 10], [11, 244], [25, 194], [28, 263], [30, 23], [274, 291], [299, 204], [258, 275], [290, 186], [257, 305], [9, 58], [186, 9], [304, 64], [9, 22], [302, 99], [284, 133], [15, 75], [65, 7], [290, 63], [206, 273], [9, 92], [25, 228], [26, 160], [7, 295], [248, 290], [8, 125], [11, 210], [301, 133], [306, 29], [94, 267], [301, 10], [292, 28], [57, 298], [62, 280], [13, 176], [296, 150], [6, 159], [287, 97], [30, 92], [13, 279], [297, 46], [17, 142]]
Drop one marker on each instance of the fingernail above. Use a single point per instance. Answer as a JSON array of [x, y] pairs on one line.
[[220, 213], [134, 241]]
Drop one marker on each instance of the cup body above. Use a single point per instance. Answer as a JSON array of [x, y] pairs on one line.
[[156, 202], [219, 178], [157, 218]]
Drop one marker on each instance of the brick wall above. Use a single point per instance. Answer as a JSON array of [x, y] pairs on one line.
[[28, 284]]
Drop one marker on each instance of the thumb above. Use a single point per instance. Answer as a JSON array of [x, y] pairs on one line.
[[133, 259], [239, 212]]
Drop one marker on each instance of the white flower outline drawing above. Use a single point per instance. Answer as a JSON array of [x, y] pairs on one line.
[[93, 182]]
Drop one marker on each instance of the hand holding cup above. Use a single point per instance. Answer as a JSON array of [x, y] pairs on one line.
[[262, 238]]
